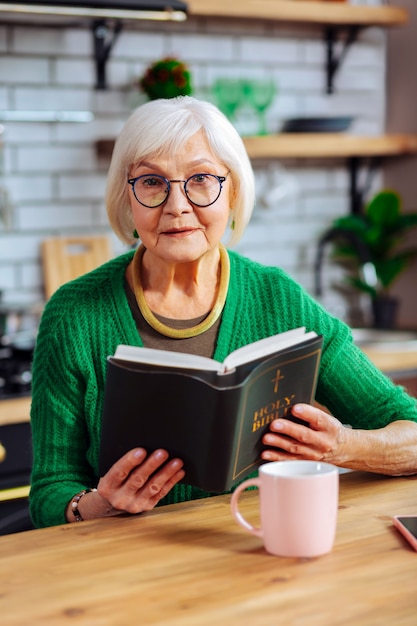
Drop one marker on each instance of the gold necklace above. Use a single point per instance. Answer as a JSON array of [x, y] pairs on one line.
[[181, 333]]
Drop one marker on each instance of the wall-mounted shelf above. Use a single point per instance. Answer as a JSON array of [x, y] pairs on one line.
[[312, 146], [105, 18], [338, 19], [335, 146], [328, 145], [46, 116], [306, 12]]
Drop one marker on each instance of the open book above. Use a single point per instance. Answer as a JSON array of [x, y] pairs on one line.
[[212, 415]]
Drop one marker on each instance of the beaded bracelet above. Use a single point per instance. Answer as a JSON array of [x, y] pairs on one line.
[[74, 504]]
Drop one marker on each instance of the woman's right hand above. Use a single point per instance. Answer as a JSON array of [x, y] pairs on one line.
[[135, 483]]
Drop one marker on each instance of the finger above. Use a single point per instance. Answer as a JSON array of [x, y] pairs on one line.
[[147, 475], [288, 445], [316, 417], [299, 440], [283, 448], [120, 471], [285, 429], [165, 488], [118, 480], [296, 439], [319, 423], [154, 489], [278, 454]]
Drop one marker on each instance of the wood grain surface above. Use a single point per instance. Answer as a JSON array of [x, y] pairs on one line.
[[328, 145], [190, 564], [302, 12], [15, 410]]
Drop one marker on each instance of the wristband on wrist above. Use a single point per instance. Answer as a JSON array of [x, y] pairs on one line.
[[75, 501]]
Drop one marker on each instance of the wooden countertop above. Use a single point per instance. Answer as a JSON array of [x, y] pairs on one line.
[[191, 564], [15, 410], [393, 361]]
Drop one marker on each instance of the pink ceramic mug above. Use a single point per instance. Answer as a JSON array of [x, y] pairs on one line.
[[298, 507]]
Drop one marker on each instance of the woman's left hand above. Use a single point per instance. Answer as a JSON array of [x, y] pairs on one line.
[[325, 439], [390, 450]]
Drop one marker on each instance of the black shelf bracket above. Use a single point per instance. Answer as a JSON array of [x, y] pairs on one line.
[[358, 192], [104, 39], [334, 61]]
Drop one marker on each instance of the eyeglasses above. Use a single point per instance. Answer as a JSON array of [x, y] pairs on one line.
[[152, 190]]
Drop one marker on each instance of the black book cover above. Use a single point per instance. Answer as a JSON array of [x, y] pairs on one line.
[[213, 422]]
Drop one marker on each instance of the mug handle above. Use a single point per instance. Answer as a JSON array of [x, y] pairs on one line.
[[251, 482]]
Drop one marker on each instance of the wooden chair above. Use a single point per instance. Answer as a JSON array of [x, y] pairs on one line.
[[66, 258]]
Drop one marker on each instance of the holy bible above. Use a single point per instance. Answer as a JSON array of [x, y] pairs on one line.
[[211, 415]]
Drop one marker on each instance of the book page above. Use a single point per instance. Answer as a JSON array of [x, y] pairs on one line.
[[266, 346], [166, 358], [245, 354]]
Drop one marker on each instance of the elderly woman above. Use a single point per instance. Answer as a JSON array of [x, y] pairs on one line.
[[179, 180]]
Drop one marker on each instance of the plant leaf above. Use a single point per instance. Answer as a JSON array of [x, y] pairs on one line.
[[406, 221], [388, 269], [380, 229], [384, 209]]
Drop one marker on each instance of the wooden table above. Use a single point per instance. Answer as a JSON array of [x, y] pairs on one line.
[[191, 565]]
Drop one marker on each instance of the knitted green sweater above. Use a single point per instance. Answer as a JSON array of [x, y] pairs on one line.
[[87, 318]]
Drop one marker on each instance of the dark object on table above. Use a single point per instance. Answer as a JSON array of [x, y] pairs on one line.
[[316, 124]]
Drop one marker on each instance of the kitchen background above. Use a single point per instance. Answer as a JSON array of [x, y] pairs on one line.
[[52, 178]]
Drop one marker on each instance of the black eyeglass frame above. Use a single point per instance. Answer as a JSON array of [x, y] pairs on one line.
[[132, 182]]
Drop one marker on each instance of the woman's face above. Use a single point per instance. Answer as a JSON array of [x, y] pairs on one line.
[[179, 231]]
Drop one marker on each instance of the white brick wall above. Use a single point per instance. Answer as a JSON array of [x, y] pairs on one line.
[[55, 181]]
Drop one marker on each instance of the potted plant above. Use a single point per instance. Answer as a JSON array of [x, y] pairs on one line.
[[377, 236], [166, 78]]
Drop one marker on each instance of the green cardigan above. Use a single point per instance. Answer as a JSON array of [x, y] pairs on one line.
[[86, 319]]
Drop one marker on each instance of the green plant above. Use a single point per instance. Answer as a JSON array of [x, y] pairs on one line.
[[166, 78], [381, 229]]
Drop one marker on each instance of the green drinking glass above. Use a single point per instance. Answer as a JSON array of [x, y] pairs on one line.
[[259, 94], [228, 95]]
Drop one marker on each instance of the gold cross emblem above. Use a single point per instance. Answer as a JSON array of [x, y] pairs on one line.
[[276, 380]]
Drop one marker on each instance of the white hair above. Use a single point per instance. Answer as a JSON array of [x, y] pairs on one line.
[[161, 127]]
